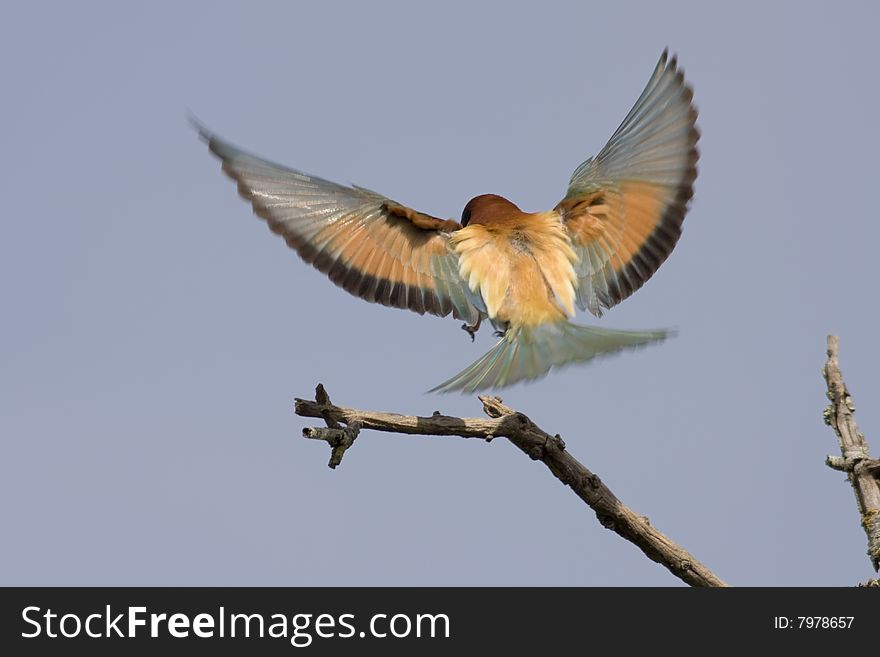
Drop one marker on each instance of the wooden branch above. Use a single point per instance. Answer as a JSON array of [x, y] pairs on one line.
[[863, 472], [538, 445]]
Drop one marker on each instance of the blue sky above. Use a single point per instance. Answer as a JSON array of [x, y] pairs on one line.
[[154, 333]]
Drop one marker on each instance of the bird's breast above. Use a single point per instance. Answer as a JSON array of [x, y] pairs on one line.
[[524, 271]]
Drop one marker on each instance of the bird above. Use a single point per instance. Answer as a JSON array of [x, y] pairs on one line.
[[524, 272]]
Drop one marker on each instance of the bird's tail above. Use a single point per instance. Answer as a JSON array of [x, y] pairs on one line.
[[526, 353]]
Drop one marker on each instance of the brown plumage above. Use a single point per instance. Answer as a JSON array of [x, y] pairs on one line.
[[525, 272], [521, 262]]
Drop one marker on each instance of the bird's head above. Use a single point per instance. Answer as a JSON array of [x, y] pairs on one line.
[[489, 209]]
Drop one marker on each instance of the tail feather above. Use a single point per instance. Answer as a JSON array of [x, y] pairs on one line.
[[526, 353]]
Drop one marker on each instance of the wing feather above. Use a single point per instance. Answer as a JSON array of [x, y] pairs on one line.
[[371, 246], [625, 207]]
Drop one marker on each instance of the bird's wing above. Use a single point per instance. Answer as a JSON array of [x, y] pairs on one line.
[[624, 208], [367, 244]]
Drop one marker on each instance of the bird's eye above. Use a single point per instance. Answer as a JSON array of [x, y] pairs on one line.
[[465, 216]]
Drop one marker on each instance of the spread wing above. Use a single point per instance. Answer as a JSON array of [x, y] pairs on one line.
[[366, 243], [624, 208]]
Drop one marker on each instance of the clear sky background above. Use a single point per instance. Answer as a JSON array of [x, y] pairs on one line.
[[154, 333]]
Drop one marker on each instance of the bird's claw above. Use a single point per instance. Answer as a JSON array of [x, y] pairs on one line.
[[471, 329]]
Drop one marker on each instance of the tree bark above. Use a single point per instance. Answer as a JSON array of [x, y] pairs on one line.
[[861, 470], [533, 441]]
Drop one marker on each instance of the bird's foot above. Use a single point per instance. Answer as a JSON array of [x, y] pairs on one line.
[[471, 329], [498, 334]]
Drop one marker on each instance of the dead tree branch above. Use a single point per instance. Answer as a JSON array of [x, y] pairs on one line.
[[862, 471], [533, 441]]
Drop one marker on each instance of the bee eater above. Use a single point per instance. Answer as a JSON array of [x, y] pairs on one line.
[[523, 271]]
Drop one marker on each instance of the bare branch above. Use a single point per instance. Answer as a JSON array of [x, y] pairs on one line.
[[863, 472], [538, 445], [338, 437]]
